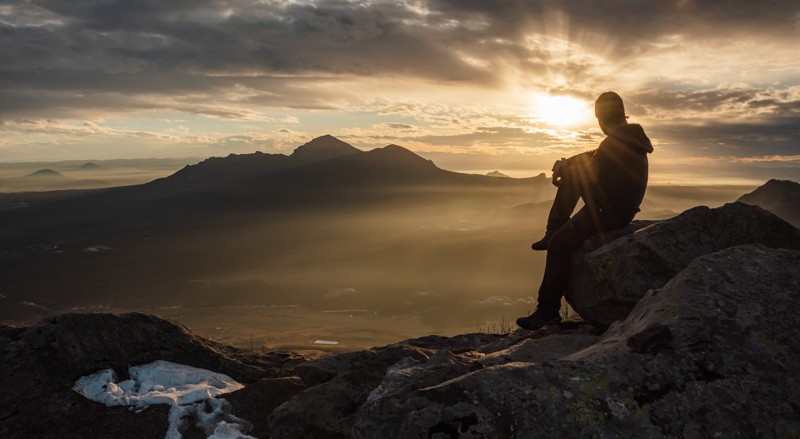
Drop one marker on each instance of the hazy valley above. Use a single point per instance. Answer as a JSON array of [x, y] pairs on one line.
[[267, 251]]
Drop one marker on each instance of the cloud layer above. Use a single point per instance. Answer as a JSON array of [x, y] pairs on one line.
[[710, 78]]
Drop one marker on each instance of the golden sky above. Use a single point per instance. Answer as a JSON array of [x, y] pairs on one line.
[[474, 85]]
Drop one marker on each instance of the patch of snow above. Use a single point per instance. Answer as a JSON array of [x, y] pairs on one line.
[[343, 310], [326, 342], [189, 390]]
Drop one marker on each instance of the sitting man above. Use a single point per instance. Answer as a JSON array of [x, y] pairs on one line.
[[611, 180]]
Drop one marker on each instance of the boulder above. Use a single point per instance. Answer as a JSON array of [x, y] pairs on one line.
[[614, 270], [711, 354]]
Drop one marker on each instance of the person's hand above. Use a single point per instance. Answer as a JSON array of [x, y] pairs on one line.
[[558, 164], [556, 178]]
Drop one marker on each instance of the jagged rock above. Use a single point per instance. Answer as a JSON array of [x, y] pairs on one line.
[[613, 271], [725, 370], [40, 365], [328, 409]]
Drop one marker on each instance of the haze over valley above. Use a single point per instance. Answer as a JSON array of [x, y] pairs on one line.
[[327, 244]]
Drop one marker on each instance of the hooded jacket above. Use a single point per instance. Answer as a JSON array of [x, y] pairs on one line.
[[615, 174]]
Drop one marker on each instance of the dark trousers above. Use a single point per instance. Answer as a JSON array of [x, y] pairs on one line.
[[570, 233]]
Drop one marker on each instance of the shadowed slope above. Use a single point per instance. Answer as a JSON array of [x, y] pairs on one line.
[[781, 197]]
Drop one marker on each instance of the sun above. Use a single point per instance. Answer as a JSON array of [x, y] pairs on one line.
[[560, 110]]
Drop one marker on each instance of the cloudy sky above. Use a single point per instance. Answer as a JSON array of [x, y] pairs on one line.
[[474, 85]]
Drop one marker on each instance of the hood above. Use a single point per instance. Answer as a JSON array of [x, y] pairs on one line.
[[633, 135]]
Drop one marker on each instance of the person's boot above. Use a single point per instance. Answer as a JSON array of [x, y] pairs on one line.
[[542, 243], [539, 319]]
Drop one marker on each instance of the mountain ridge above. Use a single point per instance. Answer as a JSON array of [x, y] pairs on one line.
[[324, 163], [782, 197]]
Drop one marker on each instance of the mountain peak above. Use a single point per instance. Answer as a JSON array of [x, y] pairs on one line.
[[497, 174], [89, 166], [45, 173], [323, 148]]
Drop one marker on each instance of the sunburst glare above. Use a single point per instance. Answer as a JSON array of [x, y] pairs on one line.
[[560, 110]]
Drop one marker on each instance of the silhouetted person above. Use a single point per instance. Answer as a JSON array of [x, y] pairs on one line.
[[611, 180]]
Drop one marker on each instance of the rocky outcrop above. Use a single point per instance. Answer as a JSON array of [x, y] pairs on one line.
[[711, 354], [613, 271], [285, 395], [40, 364]]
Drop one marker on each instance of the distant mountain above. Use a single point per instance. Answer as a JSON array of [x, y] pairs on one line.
[[497, 174], [273, 229], [224, 173], [216, 172], [45, 173], [391, 164], [325, 163], [781, 197], [89, 166]]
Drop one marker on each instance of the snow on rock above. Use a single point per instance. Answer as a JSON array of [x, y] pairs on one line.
[[189, 390]]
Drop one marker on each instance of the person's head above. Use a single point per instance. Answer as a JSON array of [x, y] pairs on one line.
[[610, 112]]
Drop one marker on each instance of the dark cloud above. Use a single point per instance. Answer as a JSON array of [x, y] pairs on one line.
[[168, 46], [630, 25], [778, 137], [176, 47], [679, 101]]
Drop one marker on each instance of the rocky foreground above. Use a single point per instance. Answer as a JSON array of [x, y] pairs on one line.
[[706, 346]]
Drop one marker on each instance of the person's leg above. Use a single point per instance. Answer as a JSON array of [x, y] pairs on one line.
[[568, 194], [564, 203], [566, 241]]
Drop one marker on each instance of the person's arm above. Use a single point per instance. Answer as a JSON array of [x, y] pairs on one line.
[[581, 159], [578, 167]]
